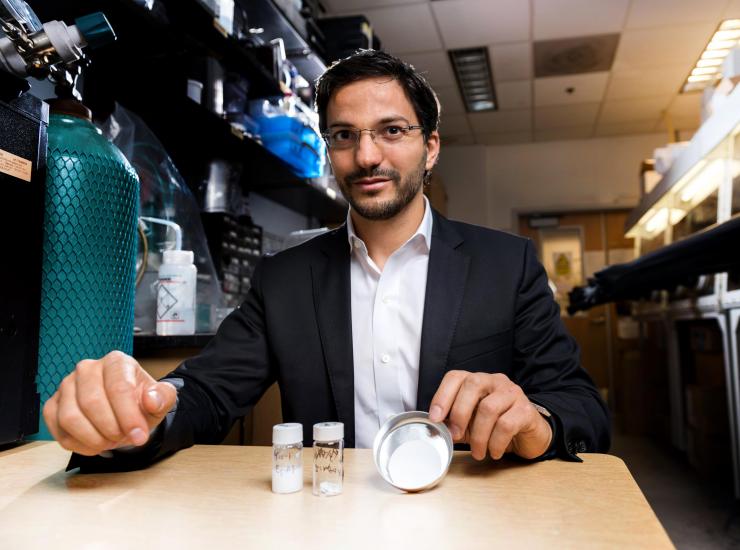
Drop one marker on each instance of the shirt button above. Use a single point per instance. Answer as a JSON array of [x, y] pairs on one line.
[[385, 358], [386, 300]]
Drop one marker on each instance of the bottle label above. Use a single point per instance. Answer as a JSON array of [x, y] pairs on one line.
[[173, 296], [15, 166]]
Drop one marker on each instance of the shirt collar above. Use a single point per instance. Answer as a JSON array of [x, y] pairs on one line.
[[424, 230]]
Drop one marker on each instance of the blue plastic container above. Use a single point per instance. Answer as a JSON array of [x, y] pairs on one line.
[[298, 145], [306, 159]]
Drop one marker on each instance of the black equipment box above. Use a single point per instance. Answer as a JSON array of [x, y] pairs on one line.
[[24, 121]]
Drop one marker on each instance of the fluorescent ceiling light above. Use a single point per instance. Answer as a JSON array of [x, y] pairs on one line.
[[704, 182], [709, 63], [721, 44], [474, 78], [724, 39], [704, 70], [715, 54], [660, 219]]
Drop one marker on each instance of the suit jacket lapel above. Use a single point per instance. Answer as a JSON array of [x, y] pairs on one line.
[[446, 278], [330, 277]]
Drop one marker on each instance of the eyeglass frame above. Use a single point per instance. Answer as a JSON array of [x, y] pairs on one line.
[[327, 135]]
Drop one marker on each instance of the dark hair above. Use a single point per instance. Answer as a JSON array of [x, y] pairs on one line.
[[371, 63]]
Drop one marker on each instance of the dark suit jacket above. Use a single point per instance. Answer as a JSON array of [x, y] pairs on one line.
[[488, 308]]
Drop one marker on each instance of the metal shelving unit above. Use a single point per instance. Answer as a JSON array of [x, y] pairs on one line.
[[706, 175], [144, 70]]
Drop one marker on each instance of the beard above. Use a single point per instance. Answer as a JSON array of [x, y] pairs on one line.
[[405, 189]]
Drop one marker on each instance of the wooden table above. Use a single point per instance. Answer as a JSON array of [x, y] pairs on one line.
[[219, 497]]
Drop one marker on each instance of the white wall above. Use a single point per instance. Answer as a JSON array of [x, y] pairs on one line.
[[463, 172], [545, 176]]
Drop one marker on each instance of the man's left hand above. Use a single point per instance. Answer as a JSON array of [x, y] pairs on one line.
[[491, 413]]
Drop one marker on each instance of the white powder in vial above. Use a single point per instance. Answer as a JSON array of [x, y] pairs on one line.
[[287, 480], [328, 489], [414, 465]]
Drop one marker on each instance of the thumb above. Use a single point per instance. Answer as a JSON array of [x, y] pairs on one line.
[[157, 401]]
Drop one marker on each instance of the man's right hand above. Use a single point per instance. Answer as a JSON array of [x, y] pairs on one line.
[[107, 403]]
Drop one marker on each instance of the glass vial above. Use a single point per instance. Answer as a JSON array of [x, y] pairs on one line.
[[328, 458], [287, 458]]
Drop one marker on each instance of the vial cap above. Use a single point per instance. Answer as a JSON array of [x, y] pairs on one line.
[[179, 257], [328, 431], [287, 434]]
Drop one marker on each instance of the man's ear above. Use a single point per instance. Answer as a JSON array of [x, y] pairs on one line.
[[432, 146]]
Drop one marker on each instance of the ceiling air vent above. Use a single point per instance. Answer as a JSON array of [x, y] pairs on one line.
[[584, 54], [474, 78]]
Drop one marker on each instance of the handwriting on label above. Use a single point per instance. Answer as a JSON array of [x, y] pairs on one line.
[[15, 166], [326, 460]]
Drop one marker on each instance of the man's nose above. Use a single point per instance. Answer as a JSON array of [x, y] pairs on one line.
[[367, 153]]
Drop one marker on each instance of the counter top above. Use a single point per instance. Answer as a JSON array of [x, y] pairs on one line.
[[219, 497]]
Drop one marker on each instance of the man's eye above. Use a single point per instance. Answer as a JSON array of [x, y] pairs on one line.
[[392, 131], [342, 135]]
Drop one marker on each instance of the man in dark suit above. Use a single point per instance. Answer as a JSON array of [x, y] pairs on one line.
[[398, 309]]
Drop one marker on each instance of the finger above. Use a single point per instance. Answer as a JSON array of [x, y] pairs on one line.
[[93, 401], [508, 425], [73, 422], [474, 388], [487, 414], [50, 417], [158, 399], [121, 379], [445, 395]]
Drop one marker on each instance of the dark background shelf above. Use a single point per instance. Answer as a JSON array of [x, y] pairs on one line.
[[147, 343], [146, 71]]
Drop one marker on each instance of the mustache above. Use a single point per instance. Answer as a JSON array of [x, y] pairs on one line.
[[374, 173]]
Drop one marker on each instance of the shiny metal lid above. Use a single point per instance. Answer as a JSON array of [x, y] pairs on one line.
[[411, 452]]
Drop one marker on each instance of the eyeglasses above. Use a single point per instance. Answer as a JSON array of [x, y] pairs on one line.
[[348, 138]]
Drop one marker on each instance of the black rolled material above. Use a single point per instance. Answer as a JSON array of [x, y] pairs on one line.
[[713, 250]]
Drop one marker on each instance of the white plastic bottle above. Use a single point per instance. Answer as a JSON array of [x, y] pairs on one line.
[[176, 293]]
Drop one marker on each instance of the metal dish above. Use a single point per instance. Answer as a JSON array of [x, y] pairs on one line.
[[411, 452]]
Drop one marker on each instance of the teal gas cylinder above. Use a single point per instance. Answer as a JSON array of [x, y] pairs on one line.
[[89, 251]]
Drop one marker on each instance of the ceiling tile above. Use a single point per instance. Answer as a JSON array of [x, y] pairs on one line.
[[564, 116], [662, 13], [504, 139], [625, 128], [687, 107], [514, 95], [678, 124], [570, 18], [586, 88], [629, 110], [661, 46], [454, 125], [405, 28], [470, 23], [450, 100], [498, 122], [435, 66], [562, 134], [511, 61], [626, 84], [733, 10]]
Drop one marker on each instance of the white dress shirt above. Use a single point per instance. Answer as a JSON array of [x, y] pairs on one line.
[[387, 314]]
